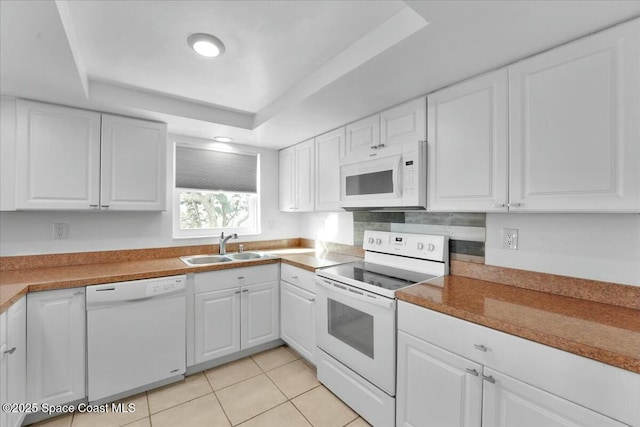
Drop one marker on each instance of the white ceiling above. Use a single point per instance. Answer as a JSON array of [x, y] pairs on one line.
[[292, 69]]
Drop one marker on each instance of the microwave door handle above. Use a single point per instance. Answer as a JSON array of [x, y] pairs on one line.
[[361, 295], [398, 177]]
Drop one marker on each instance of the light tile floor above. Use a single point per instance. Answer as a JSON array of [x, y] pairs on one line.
[[275, 388]]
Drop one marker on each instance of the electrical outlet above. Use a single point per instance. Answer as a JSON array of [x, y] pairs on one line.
[[510, 238], [60, 231]]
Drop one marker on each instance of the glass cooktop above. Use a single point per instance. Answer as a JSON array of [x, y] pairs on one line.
[[380, 276]]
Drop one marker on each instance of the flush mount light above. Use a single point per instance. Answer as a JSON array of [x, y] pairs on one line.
[[206, 44], [222, 139]]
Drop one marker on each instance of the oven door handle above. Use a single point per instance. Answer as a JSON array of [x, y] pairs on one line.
[[356, 293]]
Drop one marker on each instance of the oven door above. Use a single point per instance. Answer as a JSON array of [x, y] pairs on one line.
[[358, 328], [371, 183]]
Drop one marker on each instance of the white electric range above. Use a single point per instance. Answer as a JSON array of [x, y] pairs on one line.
[[356, 317]]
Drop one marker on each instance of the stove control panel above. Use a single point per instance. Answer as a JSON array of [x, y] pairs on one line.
[[422, 246]]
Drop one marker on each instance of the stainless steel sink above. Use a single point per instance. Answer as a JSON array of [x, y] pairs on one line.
[[196, 260], [246, 255]]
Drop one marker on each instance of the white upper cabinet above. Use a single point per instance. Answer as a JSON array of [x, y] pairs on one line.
[[404, 123], [287, 179], [575, 125], [467, 148], [329, 150], [7, 153], [57, 157], [362, 136], [71, 159], [297, 177], [133, 164]]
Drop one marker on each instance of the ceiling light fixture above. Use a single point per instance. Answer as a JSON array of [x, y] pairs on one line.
[[206, 44], [222, 139]]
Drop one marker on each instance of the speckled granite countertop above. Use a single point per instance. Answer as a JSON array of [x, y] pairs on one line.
[[16, 283], [603, 332]]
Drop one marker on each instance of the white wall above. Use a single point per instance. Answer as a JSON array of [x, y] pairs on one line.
[[27, 233], [334, 227], [592, 246]]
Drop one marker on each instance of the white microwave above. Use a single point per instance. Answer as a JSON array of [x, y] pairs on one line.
[[393, 178]]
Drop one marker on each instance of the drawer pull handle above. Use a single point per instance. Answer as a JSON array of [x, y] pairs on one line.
[[480, 347], [245, 290], [514, 205], [236, 292], [240, 277], [10, 351], [473, 372], [294, 277], [489, 378], [312, 299], [498, 205]]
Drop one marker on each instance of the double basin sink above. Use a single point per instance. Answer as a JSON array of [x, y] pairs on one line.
[[200, 260]]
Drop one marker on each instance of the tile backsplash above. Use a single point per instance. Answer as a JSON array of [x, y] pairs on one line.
[[466, 231]]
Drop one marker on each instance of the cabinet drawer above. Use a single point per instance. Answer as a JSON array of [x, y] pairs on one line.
[[604, 388], [299, 277], [234, 277]]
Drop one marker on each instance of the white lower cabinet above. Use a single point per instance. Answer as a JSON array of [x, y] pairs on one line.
[[235, 309], [13, 362], [456, 373], [298, 310], [56, 343], [436, 387]]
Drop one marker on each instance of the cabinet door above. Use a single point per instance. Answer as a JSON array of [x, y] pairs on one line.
[[467, 146], [298, 320], [7, 153], [404, 123], [436, 387], [509, 402], [287, 179], [260, 314], [17, 361], [305, 176], [56, 325], [362, 136], [57, 157], [133, 169], [4, 362], [329, 150], [574, 127], [217, 324]]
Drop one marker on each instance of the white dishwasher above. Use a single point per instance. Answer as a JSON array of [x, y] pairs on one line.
[[135, 336]]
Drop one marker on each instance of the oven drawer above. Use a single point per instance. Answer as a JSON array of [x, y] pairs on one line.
[[375, 406]]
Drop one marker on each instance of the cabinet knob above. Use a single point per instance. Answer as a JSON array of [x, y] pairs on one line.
[[312, 299], [10, 351], [472, 372], [236, 292], [381, 145], [240, 277], [489, 378], [372, 155], [374, 147], [480, 347], [245, 290]]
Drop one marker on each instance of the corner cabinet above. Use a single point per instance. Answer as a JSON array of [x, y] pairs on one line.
[[56, 343], [468, 146], [297, 177], [298, 310], [235, 309], [329, 150], [457, 373], [72, 159], [575, 125]]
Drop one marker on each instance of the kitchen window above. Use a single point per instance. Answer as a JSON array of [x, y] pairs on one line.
[[216, 190]]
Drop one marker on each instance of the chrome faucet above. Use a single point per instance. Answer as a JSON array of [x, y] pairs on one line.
[[223, 242]]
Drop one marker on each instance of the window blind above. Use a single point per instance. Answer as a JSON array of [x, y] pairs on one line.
[[203, 169]]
